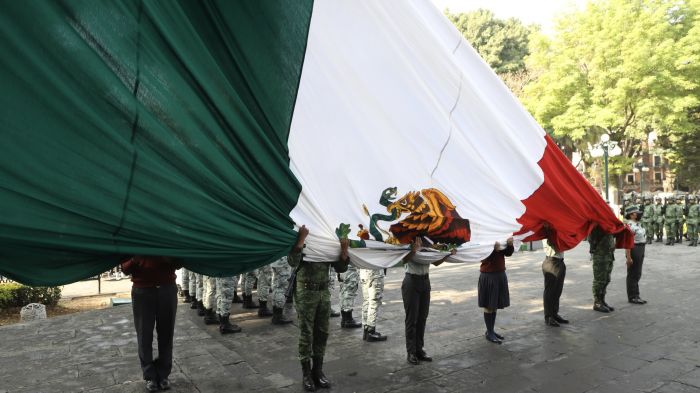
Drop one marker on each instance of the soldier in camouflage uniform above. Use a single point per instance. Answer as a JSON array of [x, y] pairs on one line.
[[372, 282], [281, 272], [682, 211], [670, 221], [331, 287], [199, 291], [693, 220], [313, 305], [658, 220], [602, 249], [263, 275], [209, 300], [648, 219], [186, 285], [225, 287], [348, 293]]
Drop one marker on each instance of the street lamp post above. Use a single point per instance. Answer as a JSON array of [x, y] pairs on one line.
[[605, 148]]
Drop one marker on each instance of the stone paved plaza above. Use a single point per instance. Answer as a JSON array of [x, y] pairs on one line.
[[651, 348]]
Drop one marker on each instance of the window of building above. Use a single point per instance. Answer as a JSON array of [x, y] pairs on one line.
[[658, 177], [657, 161], [630, 178]]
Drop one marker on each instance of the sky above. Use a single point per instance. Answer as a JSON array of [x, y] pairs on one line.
[[541, 12]]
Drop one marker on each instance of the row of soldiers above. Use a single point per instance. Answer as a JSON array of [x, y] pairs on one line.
[[673, 215], [212, 296]]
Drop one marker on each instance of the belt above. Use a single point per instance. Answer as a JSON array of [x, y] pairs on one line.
[[417, 275], [313, 286]]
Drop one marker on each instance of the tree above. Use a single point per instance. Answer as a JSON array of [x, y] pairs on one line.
[[502, 43], [617, 68]]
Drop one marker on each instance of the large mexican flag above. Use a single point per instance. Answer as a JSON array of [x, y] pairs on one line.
[[209, 130]]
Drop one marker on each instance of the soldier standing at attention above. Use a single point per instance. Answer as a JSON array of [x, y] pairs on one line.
[[682, 211], [648, 220], [348, 293], [554, 271], [372, 281], [185, 285], [313, 304], [658, 220], [281, 271], [693, 221], [602, 249], [415, 292], [635, 256], [154, 303], [209, 300], [224, 297], [670, 221]]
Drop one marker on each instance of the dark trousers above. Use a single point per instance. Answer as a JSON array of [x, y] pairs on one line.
[[634, 272], [155, 307], [415, 292], [554, 271]]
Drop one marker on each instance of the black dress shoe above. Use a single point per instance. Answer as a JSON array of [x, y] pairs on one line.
[[637, 300], [492, 338], [152, 386], [550, 321], [421, 355], [559, 319], [164, 384], [411, 358], [498, 336]]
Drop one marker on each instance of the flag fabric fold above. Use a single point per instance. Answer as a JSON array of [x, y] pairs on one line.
[[208, 130]]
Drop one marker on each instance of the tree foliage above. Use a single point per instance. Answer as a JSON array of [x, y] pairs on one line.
[[622, 67], [502, 43]]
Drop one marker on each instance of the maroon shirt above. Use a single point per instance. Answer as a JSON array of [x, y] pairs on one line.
[[151, 271], [496, 262]]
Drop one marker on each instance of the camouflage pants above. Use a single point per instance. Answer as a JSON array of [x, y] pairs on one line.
[[602, 267], [225, 286], [185, 279], [209, 292], [671, 229], [313, 312], [372, 293], [659, 229], [348, 288], [281, 272], [264, 277], [199, 286], [649, 228], [692, 231], [679, 228]]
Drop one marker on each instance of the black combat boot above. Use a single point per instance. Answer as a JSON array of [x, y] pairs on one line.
[[187, 299], [334, 313], [194, 303], [317, 373], [201, 311], [248, 302], [236, 299], [373, 335], [226, 327], [307, 380], [611, 308], [210, 318], [263, 311], [599, 305], [278, 317], [364, 333], [347, 321]]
